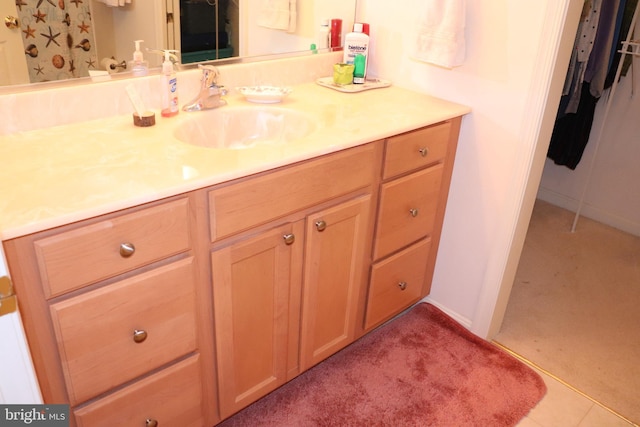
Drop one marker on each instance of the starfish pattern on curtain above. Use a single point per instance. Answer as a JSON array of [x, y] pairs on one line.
[[58, 38]]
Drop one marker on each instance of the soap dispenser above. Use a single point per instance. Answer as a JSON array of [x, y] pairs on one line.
[[169, 86], [139, 66]]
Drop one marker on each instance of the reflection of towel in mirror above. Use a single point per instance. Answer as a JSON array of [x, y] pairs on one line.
[[278, 14], [439, 37], [114, 3]]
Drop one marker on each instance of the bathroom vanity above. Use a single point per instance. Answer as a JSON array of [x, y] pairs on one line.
[[161, 281]]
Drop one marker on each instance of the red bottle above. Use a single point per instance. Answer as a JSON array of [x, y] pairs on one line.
[[335, 34]]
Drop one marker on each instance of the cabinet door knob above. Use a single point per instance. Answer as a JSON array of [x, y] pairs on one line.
[[151, 423], [289, 239], [127, 249], [139, 335], [423, 151], [402, 285], [321, 225], [413, 212]]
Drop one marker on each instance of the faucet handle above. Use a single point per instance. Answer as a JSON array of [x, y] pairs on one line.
[[209, 75]]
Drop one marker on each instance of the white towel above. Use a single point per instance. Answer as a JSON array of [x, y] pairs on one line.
[[114, 3], [279, 15], [439, 37]]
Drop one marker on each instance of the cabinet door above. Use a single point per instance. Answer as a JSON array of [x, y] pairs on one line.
[[256, 291], [336, 241]]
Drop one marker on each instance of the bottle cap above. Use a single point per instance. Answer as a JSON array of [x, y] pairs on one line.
[[357, 27], [167, 67]]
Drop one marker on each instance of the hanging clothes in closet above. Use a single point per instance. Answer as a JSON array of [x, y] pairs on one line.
[[603, 26]]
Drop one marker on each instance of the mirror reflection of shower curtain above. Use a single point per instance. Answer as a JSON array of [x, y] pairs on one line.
[[58, 38]]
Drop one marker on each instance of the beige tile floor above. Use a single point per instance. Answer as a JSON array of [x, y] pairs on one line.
[[563, 406]]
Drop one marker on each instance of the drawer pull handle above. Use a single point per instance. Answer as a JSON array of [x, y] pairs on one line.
[[321, 225], [413, 212], [289, 239], [139, 335], [424, 151], [402, 285], [127, 249], [151, 423]]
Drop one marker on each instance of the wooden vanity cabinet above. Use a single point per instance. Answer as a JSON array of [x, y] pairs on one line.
[[289, 293], [186, 310], [413, 194], [114, 309]]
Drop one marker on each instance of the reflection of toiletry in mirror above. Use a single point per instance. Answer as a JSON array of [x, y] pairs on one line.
[[323, 35], [138, 65], [335, 34]]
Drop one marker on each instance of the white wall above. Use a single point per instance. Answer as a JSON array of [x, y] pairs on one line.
[[612, 195], [503, 38], [13, 63], [135, 21]]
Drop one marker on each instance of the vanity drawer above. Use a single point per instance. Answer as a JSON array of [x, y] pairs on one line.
[[96, 331], [416, 149], [264, 198], [94, 252], [407, 211], [171, 397], [396, 283]]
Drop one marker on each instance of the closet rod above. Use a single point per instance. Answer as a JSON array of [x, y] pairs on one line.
[[624, 51]]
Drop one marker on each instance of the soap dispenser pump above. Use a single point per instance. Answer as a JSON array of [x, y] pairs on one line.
[[169, 86], [139, 66]]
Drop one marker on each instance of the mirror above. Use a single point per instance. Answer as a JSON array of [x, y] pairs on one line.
[[229, 30]]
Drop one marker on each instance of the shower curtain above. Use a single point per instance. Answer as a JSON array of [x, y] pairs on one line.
[[58, 38]]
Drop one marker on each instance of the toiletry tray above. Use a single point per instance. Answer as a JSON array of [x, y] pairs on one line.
[[370, 83]]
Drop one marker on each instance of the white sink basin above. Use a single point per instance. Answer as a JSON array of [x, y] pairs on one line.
[[243, 127]]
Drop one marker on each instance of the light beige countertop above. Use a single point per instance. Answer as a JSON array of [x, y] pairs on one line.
[[64, 174]]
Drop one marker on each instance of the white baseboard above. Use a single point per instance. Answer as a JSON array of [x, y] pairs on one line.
[[589, 211], [455, 316]]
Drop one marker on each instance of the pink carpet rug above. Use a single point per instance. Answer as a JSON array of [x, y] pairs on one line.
[[422, 369]]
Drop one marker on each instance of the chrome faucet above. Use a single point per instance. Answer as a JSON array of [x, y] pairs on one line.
[[210, 91]]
